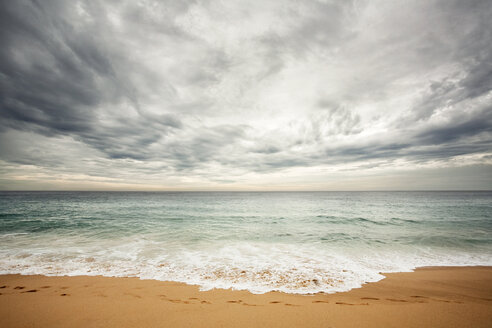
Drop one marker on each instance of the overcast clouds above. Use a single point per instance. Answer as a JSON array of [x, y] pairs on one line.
[[230, 95]]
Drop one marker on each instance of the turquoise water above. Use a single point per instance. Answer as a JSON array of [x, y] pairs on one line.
[[296, 242]]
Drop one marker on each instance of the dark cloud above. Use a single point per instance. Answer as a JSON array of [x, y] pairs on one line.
[[181, 87], [477, 125], [47, 79], [57, 78]]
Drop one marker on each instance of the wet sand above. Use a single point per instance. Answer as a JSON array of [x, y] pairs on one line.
[[428, 297]]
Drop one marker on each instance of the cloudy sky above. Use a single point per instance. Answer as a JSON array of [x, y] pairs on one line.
[[246, 95]]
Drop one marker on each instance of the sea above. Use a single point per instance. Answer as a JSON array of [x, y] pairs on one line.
[[294, 242]]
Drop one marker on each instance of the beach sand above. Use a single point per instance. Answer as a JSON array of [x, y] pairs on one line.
[[428, 297]]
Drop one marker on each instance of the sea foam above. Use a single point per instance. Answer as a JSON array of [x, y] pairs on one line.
[[290, 242]]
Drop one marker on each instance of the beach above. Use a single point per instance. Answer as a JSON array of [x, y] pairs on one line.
[[427, 297], [300, 259], [246, 164], [296, 243]]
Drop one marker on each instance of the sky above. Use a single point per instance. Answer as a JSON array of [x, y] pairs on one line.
[[246, 95]]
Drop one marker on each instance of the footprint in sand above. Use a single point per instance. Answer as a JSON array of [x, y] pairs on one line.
[[370, 298], [179, 301], [45, 286], [19, 287], [238, 301], [343, 303], [288, 304], [205, 302], [31, 291], [396, 300], [420, 299], [275, 302], [433, 299], [320, 302], [3, 287], [64, 294]]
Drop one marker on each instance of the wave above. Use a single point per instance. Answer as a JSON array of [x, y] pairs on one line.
[[257, 267], [366, 221]]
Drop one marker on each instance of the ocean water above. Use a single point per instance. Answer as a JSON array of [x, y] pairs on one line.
[[295, 242]]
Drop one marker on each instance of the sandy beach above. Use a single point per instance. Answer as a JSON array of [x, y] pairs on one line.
[[428, 297]]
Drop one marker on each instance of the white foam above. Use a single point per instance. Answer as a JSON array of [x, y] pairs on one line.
[[255, 266]]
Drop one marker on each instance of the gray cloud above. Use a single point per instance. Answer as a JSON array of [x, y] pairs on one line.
[[229, 92]]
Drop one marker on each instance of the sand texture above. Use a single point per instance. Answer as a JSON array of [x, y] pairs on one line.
[[428, 297]]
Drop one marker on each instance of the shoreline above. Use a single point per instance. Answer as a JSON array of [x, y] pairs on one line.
[[427, 297]]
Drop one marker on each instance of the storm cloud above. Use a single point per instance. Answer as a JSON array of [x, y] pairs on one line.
[[240, 95]]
